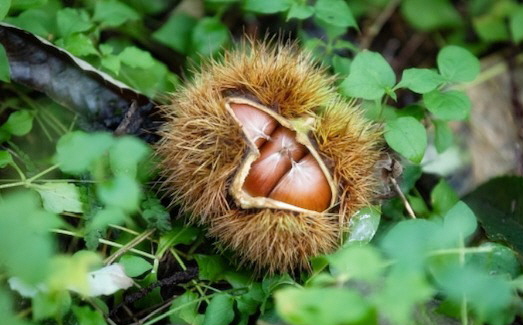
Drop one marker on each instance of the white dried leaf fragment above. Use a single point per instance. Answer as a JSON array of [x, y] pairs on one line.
[[108, 280]]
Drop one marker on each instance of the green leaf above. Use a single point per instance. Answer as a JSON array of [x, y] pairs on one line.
[[155, 214], [4, 8], [51, 304], [76, 151], [516, 25], [220, 310], [60, 197], [111, 63], [498, 204], [6, 310], [5, 70], [450, 105], [443, 197], [125, 155], [300, 11], [364, 224], [208, 36], [266, 6], [420, 80], [87, 316], [323, 306], [430, 15], [136, 58], [134, 266], [408, 137], [176, 32], [443, 136], [457, 64], [123, 192], [341, 65], [5, 158], [211, 267], [186, 307], [70, 21], [370, 77], [25, 227], [78, 44], [335, 12], [491, 28], [27, 4], [357, 262], [411, 286], [105, 217], [113, 13], [459, 223], [38, 21], [19, 123], [500, 260]]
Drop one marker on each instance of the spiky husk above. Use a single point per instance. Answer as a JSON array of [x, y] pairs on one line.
[[202, 147]]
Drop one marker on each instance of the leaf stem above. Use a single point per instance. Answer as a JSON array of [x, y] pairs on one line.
[[403, 198]]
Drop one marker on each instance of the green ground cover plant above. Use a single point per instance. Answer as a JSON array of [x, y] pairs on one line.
[[74, 199]]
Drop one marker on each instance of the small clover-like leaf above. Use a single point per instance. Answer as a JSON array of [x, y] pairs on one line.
[[457, 64], [208, 36], [335, 12], [364, 224], [176, 32], [123, 192], [300, 11], [4, 8], [5, 71], [420, 80], [134, 265], [408, 137], [443, 135], [220, 310], [370, 77], [113, 13], [516, 25], [60, 197], [450, 105], [19, 123], [5, 158], [267, 6]]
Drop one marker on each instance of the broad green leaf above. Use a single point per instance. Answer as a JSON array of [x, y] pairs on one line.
[[4, 8], [38, 21], [5, 71], [111, 63], [408, 137], [430, 15], [19, 123], [370, 77], [266, 6], [220, 310], [125, 155], [27, 4], [60, 197], [87, 316], [364, 224], [211, 267], [134, 265], [176, 32], [488, 297], [499, 260], [78, 44], [402, 293], [323, 306], [5, 158], [491, 28], [208, 36], [458, 224], [457, 64], [113, 13], [341, 65], [335, 12], [105, 217], [450, 105], [136, 58], [498, 204], [443, 197], [300, 11], [443, 136], [123, 192], [76, 151], [516, 25], [51, 304], [25, 227], [188, 314], [70, 21], [420, 80], [357, 262]]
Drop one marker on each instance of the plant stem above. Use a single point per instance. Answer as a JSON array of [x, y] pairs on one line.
[[403, 198]]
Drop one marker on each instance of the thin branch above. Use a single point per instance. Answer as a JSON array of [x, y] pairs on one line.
[[403, 198], [376, 27]]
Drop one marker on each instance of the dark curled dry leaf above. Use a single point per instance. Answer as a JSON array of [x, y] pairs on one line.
[[102, 101]]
